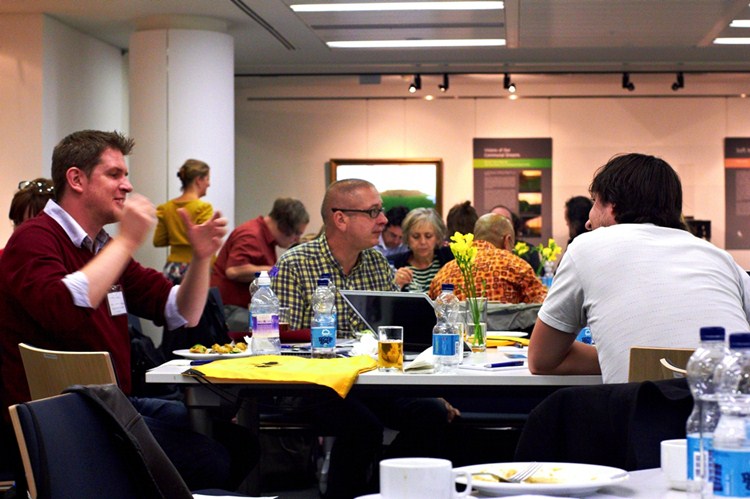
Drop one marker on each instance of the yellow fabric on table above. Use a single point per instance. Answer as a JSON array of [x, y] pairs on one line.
[[506, 341], [339, 373]]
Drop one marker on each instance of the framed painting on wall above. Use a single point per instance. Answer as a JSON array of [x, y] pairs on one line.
[[414, 183]]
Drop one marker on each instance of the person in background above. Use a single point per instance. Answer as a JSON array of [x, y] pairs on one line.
[[461, 218], [66, 284], [353, 215], [508, 278], [532, 257], [616, 280], [30, 199], [391, 241], [195, 177], [576, 215], [424, 232], [251, 248]]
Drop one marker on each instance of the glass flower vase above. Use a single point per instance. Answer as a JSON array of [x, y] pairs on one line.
[[476, 336]]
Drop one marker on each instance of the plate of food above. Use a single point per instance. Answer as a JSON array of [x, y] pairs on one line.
[[551, 479], [215, 351]]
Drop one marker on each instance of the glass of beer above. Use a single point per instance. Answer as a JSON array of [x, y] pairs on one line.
[[283, 322], [391, 348]]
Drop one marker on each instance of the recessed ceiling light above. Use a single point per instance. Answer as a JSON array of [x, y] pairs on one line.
[[389, 44], [383, 6], [740, 23], [736, 40]]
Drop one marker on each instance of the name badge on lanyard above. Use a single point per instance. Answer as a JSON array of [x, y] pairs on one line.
[[116, 301]]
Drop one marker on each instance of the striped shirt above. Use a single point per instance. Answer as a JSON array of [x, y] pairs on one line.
[[421, 278], [300, 268]]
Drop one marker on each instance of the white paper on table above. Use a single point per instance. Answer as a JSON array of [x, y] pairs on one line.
[[424, 363]]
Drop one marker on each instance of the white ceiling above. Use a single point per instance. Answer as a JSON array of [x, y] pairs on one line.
[[543, 36]]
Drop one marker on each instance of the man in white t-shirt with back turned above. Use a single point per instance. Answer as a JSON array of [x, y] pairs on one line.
[[639, 278]]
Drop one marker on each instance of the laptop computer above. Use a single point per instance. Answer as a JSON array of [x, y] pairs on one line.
[[412, 311]]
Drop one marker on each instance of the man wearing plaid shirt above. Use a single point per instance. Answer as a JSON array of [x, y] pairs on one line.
[[353, 215]]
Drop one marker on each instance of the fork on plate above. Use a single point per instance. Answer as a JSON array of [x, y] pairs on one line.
[[517, 477]]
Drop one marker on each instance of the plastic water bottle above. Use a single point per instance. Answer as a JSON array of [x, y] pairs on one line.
[[548, 274], [447, 347], [731, 442], [584, 336], [264, 313], [323, 324], [253, 287], [702, 421], [332, 287]]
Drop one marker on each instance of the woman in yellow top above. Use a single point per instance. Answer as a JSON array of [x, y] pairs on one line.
[[170, 231]]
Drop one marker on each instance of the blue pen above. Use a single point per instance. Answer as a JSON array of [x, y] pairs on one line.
[[200, 362], [510, 363]]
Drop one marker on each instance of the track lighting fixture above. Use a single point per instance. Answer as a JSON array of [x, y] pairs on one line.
[[679, 82], [626, 83], [445, 85], [508, 85], [416, 84]]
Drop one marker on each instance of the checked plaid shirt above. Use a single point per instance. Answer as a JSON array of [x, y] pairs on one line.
[[301, 267]]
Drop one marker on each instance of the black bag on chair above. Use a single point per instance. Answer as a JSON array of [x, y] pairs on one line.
[[211, 329], [144, 356]]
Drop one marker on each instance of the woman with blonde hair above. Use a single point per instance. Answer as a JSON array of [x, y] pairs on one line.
[[424, 232], [170, 230]]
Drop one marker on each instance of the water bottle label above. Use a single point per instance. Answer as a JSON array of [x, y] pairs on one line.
[[696, 458], [731, 473], [444, 344], [265, 325], [323, 337]]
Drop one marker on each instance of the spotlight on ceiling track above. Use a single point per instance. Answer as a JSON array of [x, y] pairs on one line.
[[679, 82], [416, 84], [507, 84], [626, 83], [445, 85]]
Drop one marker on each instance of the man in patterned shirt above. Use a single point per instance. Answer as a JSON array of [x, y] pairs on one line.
[[353, 215], [509, 279]]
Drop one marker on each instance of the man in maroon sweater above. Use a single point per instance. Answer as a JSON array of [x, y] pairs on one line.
[[65, 284]]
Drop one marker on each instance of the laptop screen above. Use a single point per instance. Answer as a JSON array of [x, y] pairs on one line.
[[412, 311]]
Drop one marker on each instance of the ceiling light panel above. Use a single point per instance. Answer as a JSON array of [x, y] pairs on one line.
[[396, 6], [404, 28]]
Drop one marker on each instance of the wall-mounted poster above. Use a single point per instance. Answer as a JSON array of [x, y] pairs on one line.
[[414, 183], [516, 173], [737, 189]]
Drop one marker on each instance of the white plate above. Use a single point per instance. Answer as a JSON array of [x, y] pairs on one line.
[[580, 479], [514, 334], [210, 356]]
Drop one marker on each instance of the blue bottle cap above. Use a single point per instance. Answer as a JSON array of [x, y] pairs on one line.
[[739, 340], [447, 287], [712, 333]]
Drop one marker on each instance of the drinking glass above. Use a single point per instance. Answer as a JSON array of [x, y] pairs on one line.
[[391, 348]]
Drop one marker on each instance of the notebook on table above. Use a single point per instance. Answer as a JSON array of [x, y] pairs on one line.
[[412, 311]]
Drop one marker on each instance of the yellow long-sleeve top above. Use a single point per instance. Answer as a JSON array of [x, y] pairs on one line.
[[170, 231]]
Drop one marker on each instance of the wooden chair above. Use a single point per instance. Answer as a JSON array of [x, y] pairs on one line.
[[49, 372], [654, 363]]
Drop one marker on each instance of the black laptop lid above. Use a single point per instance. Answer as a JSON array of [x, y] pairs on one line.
[[412, 311]]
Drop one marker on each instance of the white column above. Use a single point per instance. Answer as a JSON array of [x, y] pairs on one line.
[[181, 106]]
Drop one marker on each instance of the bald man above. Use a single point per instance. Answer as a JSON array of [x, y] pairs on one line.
[[508, 278], [353, 214]]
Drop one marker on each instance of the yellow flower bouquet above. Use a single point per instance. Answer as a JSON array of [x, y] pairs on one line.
[[548, 253], [464, 251]]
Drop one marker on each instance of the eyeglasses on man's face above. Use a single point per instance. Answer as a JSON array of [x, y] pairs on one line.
[[371, 212], [42, 187]]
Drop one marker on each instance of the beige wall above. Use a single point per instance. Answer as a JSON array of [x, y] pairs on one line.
[[283, 144]]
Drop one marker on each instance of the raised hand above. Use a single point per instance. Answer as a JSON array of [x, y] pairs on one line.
[[205, 238], [137, 220]]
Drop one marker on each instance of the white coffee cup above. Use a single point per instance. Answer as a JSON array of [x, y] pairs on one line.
[[420, 478], [674, 462]]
